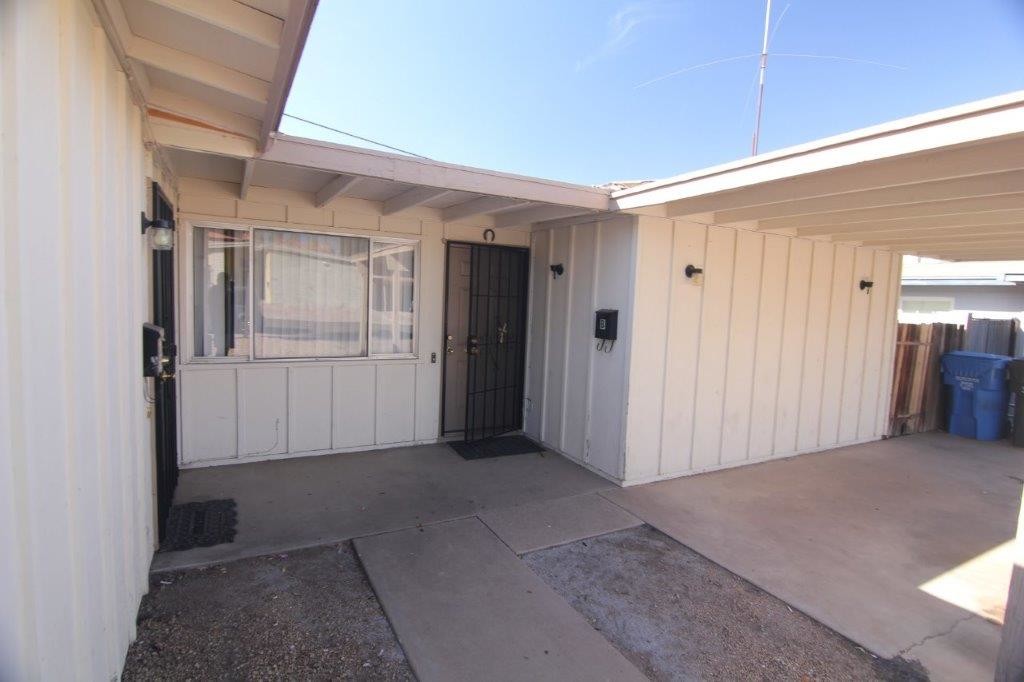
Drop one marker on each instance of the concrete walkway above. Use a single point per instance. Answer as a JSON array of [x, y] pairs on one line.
[[465, 607], [289, 504], [900, 545]]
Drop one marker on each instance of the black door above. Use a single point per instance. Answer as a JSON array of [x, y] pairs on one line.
[[496, 342], [165, 403]]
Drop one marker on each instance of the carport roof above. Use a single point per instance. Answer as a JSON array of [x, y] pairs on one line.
[[948, 184]]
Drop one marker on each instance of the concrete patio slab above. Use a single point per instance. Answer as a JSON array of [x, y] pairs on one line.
[[465, 607], [288, 504], [539, 525], [862, 537]]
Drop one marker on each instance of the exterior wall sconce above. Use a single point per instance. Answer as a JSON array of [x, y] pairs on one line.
[[865, 285], [694, 273], [557, 270], [161, 233]]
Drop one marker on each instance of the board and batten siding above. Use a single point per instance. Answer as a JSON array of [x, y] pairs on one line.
[[574, 392], [247, 411], [76, 457], [777, 351]]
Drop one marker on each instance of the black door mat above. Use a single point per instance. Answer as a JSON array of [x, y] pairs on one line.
[[498, 446], [200, 524]]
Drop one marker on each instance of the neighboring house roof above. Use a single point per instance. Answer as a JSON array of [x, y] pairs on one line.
[[992, 273], [213, 79]]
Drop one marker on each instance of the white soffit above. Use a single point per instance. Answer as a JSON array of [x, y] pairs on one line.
[[948, 185], [213, 75]]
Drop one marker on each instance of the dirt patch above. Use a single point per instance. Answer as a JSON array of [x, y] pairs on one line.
[[677, 615], [309, 614]]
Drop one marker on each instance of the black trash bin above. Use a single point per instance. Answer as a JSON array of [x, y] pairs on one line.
[[1015, 369]]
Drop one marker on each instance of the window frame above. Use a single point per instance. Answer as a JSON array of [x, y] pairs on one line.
[[931, 299], [186, 322]]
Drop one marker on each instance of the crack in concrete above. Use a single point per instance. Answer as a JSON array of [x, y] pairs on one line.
[[937, 635]]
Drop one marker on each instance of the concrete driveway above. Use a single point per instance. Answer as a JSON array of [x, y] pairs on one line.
[[901, 545]]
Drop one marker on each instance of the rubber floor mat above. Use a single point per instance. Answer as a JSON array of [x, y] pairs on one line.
[[499, 446], [200, 524]]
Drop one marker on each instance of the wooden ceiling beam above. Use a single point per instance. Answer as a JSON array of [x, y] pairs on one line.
[[411, 198], [479, 206], [337, 186]]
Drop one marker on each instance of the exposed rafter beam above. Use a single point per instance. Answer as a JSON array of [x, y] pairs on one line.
[[479, 206], [243, 188], [202, 140], [175, 103], [234, 17], [337, 187], [412, 197], [1009, 253], [927, 223], [961, 188], [293, 39], [1003, 202], [528, 216], [882, 238], [951, 242], [198, 69]]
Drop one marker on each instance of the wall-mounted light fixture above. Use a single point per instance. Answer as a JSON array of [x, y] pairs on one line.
[[692, 270], [161, 233], [866, 284], [557, 270]]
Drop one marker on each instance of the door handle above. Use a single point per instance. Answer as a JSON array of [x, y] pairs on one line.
[[473, 345], [449, 344]]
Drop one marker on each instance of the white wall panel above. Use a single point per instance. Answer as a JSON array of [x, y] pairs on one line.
[[355, 406], [396, 403], [759, 360], [263, 411], [310, 408], [209, 415], [714, 346], [574, 392], [76, 476], [771, 307], [682, 345], [742, 347]]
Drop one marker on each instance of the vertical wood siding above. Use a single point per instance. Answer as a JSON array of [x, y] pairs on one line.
[[776, 352], [575, 393], [76, 470]]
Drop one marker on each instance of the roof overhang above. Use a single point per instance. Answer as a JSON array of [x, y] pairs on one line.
[[328, 171], [214, 73], [948, 185]]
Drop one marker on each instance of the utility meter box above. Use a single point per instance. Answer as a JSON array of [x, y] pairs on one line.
[[606, 324]]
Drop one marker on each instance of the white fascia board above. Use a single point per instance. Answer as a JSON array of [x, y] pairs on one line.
[[970, 123], [346, 160]]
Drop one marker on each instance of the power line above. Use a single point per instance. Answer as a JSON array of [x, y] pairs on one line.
[[358, 137]]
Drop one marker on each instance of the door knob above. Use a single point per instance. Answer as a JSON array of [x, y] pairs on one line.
[[449, 344], [473, 345]]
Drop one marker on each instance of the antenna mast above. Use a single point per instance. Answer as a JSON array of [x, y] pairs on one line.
[[764, 67]]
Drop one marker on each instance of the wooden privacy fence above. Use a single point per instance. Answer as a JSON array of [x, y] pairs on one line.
[[917, 395]]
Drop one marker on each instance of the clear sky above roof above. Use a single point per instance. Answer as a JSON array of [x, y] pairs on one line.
[[584, 91]]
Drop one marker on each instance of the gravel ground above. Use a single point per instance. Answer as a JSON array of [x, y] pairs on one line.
[[678, 616], [308, 615]]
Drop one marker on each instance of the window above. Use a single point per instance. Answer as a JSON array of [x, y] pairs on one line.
[[221, 274], [391, 308], [313, 295]]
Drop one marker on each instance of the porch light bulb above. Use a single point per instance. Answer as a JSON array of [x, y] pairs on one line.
[[161, 238]]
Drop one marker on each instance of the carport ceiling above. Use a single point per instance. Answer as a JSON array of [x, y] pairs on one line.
[[949, 185]]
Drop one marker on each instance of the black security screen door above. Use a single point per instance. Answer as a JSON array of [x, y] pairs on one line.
[[496, 343], [165, 403]]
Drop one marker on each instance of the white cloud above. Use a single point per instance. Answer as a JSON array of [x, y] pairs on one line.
[[622, 28]]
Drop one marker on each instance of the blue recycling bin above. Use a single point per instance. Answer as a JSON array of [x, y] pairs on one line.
[[978, 394]]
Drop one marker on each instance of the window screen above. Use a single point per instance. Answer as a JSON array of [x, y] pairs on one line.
[[310, 295]]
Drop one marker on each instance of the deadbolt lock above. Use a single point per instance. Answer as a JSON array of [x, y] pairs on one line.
[[449, 344]]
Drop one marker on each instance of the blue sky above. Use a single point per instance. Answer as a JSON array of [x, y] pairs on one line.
[[556, 89]]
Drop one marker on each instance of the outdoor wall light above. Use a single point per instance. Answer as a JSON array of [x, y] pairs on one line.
[[556, 270], [161, 233], [866, 284], [692, 271]]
